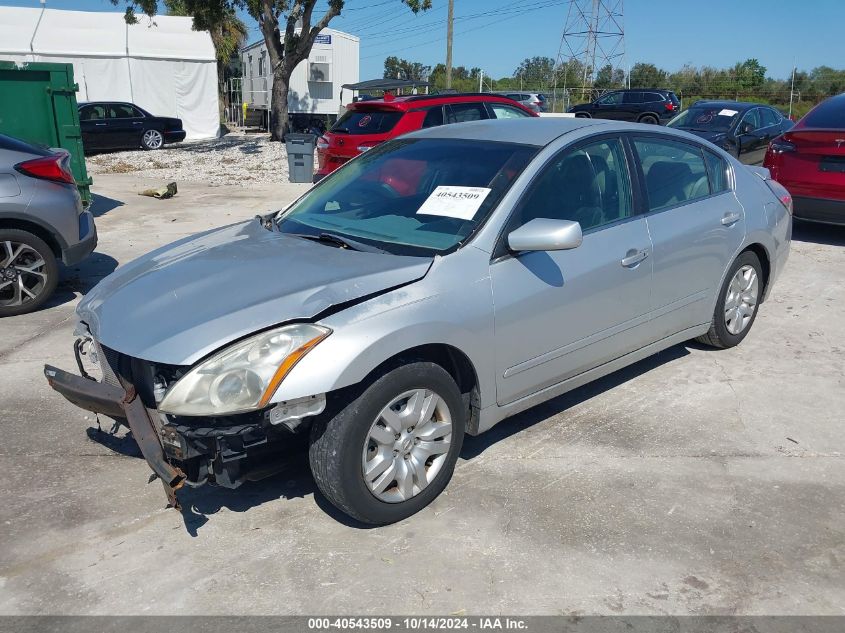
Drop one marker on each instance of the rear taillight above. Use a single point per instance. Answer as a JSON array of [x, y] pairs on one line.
[[670, 107], [322, 143], [53, 167], [779, 146]]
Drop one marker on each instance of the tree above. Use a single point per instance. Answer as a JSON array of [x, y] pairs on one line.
[[289, 32], [536, 72], [227, 35], [396, 68], [647, 76], [750, 75]]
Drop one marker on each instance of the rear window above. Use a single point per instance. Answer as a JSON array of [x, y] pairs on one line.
[[650, 97], [367, 121], [828, 114]]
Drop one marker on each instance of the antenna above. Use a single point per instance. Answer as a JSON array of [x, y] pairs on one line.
[[594, 37]]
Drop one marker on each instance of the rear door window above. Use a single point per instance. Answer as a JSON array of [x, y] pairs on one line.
[[675, 173], [367, 121], [462, 112], [632, 97], [768, 117], [123, 111], [502, 111], [652, 97]]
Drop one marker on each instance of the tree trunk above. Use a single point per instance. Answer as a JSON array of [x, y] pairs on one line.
[[279, 123]]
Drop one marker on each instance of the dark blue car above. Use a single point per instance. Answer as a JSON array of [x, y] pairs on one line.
[[120, 125], [743, 129]]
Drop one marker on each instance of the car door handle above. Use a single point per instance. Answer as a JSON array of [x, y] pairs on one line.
[[729, 219], [137, 123], [99, 124], [629, 261]]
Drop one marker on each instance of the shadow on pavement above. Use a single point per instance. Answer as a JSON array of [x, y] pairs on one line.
[[295, 479], [475, 446], [100, 205], [81, 278], [818, 233]]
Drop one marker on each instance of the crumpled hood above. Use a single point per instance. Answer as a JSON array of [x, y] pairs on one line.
[[183, 301]]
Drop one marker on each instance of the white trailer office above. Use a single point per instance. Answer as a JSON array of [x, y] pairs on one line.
[[315, 86]]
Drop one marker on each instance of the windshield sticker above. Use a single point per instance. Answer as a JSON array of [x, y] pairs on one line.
[[454, 202], [727, 112]]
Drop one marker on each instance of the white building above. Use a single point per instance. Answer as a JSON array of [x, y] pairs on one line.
[[160, 63], [315, 86]]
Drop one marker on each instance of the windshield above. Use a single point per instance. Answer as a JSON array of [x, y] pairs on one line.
[[367, 122], [706, 118], [410, 196]]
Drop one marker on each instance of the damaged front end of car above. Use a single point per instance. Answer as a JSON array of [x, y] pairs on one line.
[[192, 450]]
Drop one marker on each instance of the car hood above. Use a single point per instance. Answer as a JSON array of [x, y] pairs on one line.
[[183, 301]]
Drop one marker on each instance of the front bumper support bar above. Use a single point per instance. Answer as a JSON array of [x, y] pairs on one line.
[[113, 401]]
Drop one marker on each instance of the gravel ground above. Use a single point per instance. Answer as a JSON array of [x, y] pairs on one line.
[[234, 159]]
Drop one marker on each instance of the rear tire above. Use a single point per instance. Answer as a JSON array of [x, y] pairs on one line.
[[649, 119], [737, 303], [28, 272], [582, 115], [372, 456], [152, 139]]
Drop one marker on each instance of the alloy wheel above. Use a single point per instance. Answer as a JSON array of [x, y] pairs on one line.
[[407, 445], [741, 299], [23, 274], [153, 139]]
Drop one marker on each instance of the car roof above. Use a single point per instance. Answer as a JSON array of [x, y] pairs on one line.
[[537, 131], [410, 102], [736, 105]]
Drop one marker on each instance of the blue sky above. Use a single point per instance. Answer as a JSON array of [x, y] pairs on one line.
[[496, 35]]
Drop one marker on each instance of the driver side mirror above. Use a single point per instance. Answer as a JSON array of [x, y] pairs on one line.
[[543, 234], [746, 127]]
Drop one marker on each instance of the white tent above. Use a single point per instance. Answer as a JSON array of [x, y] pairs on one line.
[[160, 63]]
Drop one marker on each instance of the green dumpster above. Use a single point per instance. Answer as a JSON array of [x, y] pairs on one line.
[[38, 104]]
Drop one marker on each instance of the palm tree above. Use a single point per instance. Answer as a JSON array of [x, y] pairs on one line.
[[228, 32]]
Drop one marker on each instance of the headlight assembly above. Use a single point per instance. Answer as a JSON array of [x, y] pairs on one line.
[[244, 376]]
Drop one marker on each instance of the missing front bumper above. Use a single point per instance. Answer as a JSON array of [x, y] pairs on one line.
[[113, 401]]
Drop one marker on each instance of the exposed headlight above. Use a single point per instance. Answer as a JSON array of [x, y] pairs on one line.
[[244, 376]]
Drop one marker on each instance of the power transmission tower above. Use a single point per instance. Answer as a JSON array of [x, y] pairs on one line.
[[593, 36]]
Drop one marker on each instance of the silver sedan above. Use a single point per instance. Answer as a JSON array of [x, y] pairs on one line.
[[432, 287]]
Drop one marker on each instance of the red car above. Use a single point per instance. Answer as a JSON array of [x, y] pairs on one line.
[[368, 123], [809, 160]]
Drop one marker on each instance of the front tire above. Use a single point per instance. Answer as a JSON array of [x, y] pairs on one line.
[[736, 307], [649, 119], [28, 272], [390, 451], [152, 139]]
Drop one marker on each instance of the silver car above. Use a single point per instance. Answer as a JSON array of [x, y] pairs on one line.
[[432, 287], [41, 221]]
